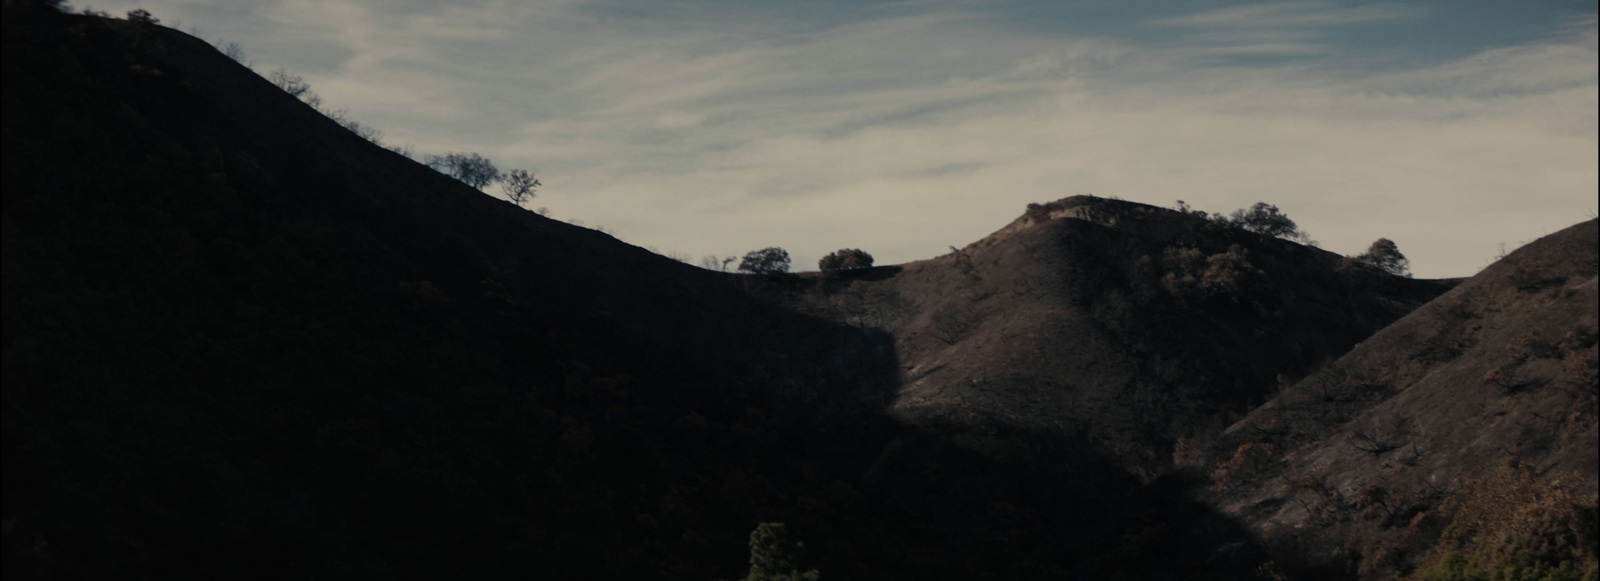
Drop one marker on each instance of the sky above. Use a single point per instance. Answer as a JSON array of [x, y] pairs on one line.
[[903, 128]]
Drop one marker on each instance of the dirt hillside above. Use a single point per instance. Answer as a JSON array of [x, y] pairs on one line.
[[1134, 324], [1488, 392]]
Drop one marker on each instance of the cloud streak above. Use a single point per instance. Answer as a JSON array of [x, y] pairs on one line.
[[1289, 14], [906, 129]]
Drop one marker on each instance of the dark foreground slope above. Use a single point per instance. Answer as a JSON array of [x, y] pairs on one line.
[[240, 340], [1466, 428], [1146, 329]]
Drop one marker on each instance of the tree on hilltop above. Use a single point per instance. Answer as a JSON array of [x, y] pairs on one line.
[[142, 15], [846, 259], [1385, 255], [296, 86], [519, 185], [772, 260], [470, 168], [1263, 218]]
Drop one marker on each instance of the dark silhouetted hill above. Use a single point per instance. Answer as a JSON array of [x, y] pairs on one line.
[[240, 340]]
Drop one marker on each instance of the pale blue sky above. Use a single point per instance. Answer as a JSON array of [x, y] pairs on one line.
[[906, 127]]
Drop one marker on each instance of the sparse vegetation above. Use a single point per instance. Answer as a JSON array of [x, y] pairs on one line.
[[469, 168], [1185, 209], [1383, 439], [295, 86], [1038, 212], [1516, 524], [142, 16], [774, 556], [717, 263], [952, 320], [963, 262], [1247, 460], [1474, 567], [233, 51]]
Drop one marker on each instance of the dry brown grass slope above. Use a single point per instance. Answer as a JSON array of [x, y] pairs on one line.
[[1085, 316], [1359, 469]]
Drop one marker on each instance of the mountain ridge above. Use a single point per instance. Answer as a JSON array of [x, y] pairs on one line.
[[235, 330]]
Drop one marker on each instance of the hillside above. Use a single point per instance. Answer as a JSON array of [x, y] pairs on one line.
[[1469, 426], [238, 337], [1135, 325]]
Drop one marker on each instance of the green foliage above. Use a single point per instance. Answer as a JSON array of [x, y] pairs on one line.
[[844, 260], [772, 260], [1193, 275], [1455, 566], [1515, 525]]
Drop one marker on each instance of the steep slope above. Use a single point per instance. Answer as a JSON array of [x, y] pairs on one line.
[[1139, 326], [239, 338], [1469, 425]]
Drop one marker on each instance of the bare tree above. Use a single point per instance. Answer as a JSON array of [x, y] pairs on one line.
[[291, 84], [232, 50], [519, 185], [366, 132], [470, 168], [712, 262]]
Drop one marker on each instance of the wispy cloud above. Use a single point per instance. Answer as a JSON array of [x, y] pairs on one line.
[[1290, 15], [1287, 29], [908, 129]]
